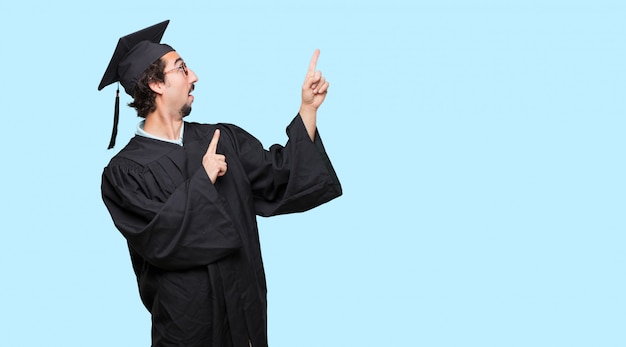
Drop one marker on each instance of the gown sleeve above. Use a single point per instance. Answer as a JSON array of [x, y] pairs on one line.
[[292, 178], [184, 229]]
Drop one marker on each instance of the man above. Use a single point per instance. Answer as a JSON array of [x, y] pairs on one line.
[[186, 195]]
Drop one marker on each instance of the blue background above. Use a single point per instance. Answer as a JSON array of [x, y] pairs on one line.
[[479, 143]]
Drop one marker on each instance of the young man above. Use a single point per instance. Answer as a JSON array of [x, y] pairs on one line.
[[186, 195]]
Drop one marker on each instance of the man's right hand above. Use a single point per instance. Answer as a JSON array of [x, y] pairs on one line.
[[214, 164]]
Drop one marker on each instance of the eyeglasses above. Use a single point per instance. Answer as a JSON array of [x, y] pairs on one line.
[[182, 67]]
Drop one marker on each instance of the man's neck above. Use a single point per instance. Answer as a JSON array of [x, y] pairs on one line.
[[163, 126]]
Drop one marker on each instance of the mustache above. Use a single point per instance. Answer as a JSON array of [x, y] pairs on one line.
[[193, 86]]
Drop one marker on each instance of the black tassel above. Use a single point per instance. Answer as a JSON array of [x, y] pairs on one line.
[[116, 118]]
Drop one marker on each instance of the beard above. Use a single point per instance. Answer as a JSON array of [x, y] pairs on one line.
[[185, 111]]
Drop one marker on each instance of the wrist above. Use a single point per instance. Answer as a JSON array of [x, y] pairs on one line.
[[307, 111]]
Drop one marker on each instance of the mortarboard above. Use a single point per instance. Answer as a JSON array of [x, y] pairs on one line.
[[133, 55]]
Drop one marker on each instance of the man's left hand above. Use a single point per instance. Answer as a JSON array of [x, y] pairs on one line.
[[315, 86]]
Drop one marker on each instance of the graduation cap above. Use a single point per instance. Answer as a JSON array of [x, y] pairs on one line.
[[133, 55]]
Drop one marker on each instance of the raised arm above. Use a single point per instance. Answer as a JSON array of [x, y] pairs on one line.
[[314, 92]]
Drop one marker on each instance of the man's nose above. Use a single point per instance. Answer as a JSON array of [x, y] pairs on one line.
[[193, 78]]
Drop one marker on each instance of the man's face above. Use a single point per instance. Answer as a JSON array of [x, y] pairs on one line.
[[179, 83]]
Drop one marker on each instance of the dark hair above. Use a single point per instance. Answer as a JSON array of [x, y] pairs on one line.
[[144, 96]]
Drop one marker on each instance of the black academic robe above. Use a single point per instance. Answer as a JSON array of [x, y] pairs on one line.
[[194, 245]]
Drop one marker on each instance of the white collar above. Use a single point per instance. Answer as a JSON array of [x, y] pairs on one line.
[[143, 133]]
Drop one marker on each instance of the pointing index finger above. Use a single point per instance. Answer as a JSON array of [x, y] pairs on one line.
[[313, 62], [213, 145]]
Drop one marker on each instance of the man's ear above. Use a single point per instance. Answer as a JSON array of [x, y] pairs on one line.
[[157, 87]]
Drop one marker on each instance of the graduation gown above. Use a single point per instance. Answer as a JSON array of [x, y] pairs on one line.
[[194, 245]]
